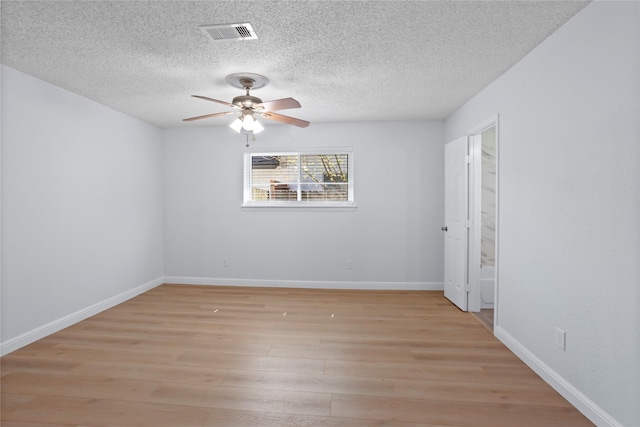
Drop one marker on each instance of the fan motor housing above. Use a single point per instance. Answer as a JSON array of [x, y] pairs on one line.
[[246, 101]]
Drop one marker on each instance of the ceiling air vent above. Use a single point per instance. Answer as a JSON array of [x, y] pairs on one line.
[[242, 31]]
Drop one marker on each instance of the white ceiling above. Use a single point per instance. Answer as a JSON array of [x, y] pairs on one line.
[[343, 60]]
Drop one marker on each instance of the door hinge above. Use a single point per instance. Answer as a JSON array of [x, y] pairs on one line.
[[467, 223], [467, 287], [467, 159]]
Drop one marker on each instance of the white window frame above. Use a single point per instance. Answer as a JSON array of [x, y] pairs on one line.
[[247, 201]]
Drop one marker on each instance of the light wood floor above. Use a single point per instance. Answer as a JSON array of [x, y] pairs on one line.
[[184, 356]]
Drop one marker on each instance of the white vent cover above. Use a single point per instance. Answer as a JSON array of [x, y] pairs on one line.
[[242, 31]]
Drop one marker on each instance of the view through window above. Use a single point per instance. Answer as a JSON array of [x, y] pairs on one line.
[[298, 179]]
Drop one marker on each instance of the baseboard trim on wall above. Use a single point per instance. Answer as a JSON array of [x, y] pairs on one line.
[[585, 405], [309, 284], [40, 332]]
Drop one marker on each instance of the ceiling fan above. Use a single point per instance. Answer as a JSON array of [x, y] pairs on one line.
[[247, 106]]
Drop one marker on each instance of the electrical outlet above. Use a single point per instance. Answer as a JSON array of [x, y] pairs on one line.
[[348, 264], [561, 337], [225, 261]]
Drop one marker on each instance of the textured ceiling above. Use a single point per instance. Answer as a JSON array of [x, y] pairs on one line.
[[343, 60]]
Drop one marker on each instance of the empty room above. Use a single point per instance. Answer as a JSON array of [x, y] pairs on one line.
[[320, 213]]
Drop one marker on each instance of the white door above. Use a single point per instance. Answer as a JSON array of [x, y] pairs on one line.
[[456, 214]]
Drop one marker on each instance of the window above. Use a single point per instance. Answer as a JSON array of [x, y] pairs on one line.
[[303, 179]]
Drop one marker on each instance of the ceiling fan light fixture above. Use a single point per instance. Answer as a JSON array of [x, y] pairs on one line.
[[257, 127], [236, 125], [248, 122]]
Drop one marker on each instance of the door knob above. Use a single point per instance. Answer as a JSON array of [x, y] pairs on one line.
[[444, 228]]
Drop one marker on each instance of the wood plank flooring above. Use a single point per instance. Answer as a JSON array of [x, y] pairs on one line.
[[185, 356]]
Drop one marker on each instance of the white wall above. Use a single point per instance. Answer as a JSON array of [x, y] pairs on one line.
[[393, 237], [569, 196], [81, 207]]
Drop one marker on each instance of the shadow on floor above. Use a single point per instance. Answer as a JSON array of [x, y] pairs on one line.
[[485, 316]]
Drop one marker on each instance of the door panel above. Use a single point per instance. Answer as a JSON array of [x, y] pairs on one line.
[[456, 216]]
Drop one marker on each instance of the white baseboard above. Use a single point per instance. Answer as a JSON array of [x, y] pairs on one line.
[[309, 284], [42, 331], [586, 406]]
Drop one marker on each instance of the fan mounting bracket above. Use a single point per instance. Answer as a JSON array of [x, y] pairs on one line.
[[247, 80]]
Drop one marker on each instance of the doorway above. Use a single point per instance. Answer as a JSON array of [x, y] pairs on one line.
[[471, 221], [483, 201]]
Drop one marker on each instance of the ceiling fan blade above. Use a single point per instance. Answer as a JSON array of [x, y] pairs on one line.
[[285, 119], [206, 116], [279, 104], [228, 104]]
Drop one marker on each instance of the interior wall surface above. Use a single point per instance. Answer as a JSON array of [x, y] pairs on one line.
[[392, 237], [569, 196], [81, 204]]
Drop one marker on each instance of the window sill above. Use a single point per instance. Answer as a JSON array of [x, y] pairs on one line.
[[341, 207]]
